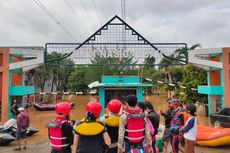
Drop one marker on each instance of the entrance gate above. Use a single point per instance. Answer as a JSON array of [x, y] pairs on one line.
[[115, 43]]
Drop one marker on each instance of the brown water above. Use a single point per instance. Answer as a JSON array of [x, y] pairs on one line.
[[39, 141], [40, 118]]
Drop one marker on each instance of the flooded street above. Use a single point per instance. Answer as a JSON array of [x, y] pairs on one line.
[[39, 141]]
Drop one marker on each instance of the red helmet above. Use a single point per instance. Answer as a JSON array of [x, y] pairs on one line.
[[94, 107], [63, 108], [114, 106]]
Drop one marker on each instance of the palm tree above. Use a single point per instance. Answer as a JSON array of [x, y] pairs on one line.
[[167, 64]]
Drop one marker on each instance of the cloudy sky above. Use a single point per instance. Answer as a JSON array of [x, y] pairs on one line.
[[206, 22]]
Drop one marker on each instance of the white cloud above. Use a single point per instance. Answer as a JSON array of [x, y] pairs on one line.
[[205, 22]]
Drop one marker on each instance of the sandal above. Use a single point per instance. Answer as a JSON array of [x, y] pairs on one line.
[[24, 148], [17, 149]]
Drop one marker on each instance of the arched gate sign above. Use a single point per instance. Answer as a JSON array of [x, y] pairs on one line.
[[117, 43]]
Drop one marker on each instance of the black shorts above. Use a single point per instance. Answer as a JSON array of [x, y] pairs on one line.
[[166, 135], [21, 135]]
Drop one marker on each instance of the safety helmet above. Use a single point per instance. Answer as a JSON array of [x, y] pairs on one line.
[[114, 106], [174, 101], [63, 108], [94, 107]]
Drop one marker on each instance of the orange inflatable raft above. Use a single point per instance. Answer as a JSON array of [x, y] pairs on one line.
[[209, 136]]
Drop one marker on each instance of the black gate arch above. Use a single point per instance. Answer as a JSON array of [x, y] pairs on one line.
[[116, 40]]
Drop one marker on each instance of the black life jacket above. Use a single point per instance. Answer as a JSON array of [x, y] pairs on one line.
[[90, 137]]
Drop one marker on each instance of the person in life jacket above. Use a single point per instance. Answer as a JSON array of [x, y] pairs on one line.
[[175, 124], [133, 129], [91, 135], [111, 122], [60, 131]]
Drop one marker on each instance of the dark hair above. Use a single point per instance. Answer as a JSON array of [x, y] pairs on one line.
[[149, 105], [168, 99], [181, 105], [131, 100], [73, 122], [90, 116], [141, 105], [191, 108]]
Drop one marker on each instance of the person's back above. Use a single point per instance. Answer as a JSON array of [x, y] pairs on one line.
[[111, 122], [91, 131], [60, 131], [153, 116], [133, 129], [155, 120]]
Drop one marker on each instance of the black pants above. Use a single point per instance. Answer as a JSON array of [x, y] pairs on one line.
[[175, 143], [112, 150], [61, 151], [154, 144]]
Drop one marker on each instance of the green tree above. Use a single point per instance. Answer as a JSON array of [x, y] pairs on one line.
[[192, 77], [42, 74], [77, 79], [110, 66], [60, 70]]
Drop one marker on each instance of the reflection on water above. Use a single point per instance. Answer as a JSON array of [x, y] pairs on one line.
[[40, 118]]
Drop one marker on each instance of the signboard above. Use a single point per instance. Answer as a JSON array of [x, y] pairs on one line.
[[113, 43]]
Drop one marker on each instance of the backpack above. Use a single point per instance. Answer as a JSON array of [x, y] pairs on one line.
[[150, 126], [23, 118]]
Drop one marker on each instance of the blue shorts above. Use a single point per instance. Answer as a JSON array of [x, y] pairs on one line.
[[21, 135]]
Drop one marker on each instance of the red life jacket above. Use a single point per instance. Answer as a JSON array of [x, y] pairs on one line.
[[57, 140], [135, 127]]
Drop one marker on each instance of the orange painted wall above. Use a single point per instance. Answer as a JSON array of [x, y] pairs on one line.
[[1, 63], [16, 77], [1, 59], [215, 79], [0, 86], [5, 76], [226, 69]]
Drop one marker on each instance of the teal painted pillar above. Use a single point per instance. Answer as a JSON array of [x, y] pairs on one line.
[[209, 105], [23, 84], [222, 81], [10, 115], [139, 94], [102, 99]]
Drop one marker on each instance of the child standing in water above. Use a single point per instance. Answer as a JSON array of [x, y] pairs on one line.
[[190, 129]]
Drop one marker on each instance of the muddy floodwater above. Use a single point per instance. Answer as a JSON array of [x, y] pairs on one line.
[[38, 143]]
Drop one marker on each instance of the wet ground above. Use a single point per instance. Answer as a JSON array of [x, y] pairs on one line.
[[38, 143]]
